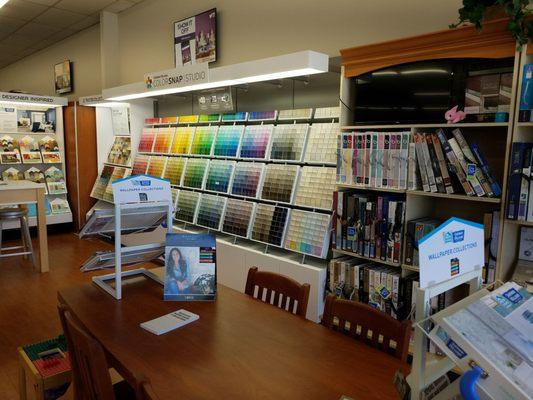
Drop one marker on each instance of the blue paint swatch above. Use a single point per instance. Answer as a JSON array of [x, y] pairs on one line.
[[228, 140]]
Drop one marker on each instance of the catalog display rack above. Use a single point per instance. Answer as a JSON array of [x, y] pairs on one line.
[[32, 148]]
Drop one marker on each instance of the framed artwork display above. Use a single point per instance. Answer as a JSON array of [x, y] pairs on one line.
[[63, 77], [195, 39]]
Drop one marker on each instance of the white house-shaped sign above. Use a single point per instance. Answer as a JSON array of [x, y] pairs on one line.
[[453, 249], [141, 189]]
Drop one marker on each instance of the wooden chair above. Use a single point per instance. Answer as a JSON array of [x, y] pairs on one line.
[[146, 391], [363, 320], [89, 365], [281, 291]]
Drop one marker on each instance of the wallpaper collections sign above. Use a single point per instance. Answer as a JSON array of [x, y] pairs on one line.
[[141, 189], [195, 39], [453, 249]]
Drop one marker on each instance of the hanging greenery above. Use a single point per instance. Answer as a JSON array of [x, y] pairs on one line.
[[474, 11]]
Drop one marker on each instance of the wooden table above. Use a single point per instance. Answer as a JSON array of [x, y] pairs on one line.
[[26, 192], [240, 348]]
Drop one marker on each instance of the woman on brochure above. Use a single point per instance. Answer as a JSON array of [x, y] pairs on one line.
[[177, 277]]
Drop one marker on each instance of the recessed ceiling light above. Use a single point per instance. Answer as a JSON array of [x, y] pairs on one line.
[[3, 3]]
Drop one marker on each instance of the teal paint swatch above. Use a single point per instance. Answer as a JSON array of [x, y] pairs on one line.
[[219, 175], [234, 117], [228, 140]]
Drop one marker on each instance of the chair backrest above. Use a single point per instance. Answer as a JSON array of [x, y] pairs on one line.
[[146, 391], [279, 290], [369, 325], [89, 365]]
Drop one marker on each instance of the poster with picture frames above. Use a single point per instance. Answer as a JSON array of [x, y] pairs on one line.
[[195, 39]]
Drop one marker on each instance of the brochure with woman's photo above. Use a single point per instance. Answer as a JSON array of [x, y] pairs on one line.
[[190, 267]]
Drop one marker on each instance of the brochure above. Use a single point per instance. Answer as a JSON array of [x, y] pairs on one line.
[[503, 319], [190, 267], [169, 322]]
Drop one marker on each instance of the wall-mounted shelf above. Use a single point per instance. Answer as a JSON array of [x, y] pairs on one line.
[[494, 200], [356, 255], [409, 126]]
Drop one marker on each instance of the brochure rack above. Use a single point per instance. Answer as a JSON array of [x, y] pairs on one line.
[[138, 191], [494, 383]]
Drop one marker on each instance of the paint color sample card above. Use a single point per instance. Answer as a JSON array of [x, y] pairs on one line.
[[101, 182], [219, 175], [163, 140], [278, 183], [203, 140], [120, 153], [174, 170], [246, 179], [195, 172], [228, 140], [235, 117], [288, 142], [147, 140], [174, 192], [315, 187], [29, 150], [269, 224], [188, 119], [262, 115], [210, 211], [209, 118], [327, 112], [322, 143], [186, 206], [238, 217], [156, 166], [182, 140], [255, 141], [299, 113], [55, 180], [140, 165], [308, 233]]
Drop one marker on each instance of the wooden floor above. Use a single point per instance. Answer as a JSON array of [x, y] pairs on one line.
[[28, 300]]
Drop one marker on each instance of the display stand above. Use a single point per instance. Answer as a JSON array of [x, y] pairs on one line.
[[130, 193], [450, 256]]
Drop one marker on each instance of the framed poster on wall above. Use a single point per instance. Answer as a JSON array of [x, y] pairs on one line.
[[195, 39], [63, 77]]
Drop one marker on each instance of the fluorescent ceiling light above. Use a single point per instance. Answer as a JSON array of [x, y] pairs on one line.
[[3, 3], [385, 73], [266, 69]]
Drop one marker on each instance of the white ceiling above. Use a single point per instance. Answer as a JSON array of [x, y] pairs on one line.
[[27, 26]]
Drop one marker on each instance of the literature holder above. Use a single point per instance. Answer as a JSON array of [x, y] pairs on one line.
[[138, 191], [458, 260]]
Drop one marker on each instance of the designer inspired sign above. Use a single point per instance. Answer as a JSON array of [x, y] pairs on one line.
[[178, 77], [141, 189], [19, 98], [453, 249]]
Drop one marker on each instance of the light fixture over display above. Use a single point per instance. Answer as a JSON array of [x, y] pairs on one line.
[[99, 101], [287, 66]]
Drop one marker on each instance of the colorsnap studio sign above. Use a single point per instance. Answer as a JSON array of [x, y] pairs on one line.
[[453, 249], [189, 75]]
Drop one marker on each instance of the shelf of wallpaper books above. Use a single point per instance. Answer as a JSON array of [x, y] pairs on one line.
[[31, 148], [518, 209], [265, 177]]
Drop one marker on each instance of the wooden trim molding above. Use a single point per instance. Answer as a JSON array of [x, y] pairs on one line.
[[494, 41]]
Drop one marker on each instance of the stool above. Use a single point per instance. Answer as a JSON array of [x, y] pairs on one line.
[[14, 214]]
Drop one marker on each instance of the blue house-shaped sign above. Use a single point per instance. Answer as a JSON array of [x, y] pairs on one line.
[[453, 249]]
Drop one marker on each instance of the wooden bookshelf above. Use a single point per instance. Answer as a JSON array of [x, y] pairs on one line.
[[376, 260], [460, 197]]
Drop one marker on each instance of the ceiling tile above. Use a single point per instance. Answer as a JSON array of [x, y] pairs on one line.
[[85, 23], [21, 9], [18, 42], [59, 18], [36, 31], [83, 6], [6, 49], [10, 24], [62, 34], [119, 6]]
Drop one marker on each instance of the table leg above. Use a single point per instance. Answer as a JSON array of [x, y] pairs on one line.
[[41, 227], [22, 382]]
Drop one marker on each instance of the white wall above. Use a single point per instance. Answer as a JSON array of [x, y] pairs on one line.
[[248, 30], [35, 73]]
